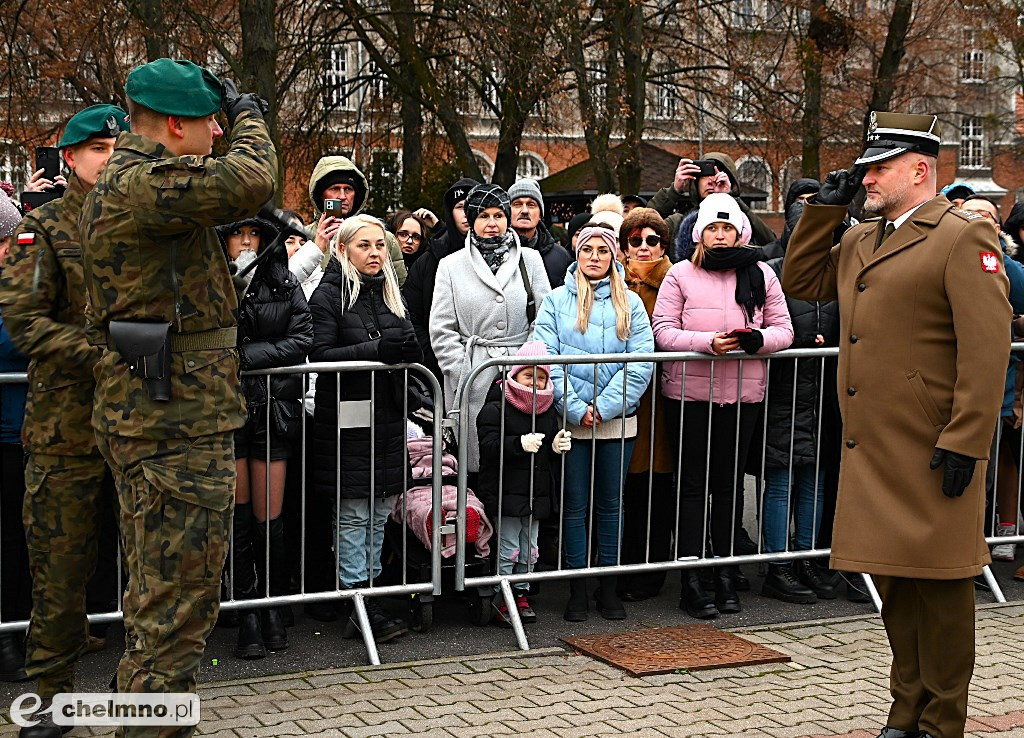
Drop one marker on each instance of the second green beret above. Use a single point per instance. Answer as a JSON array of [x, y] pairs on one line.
[[175, 87], [96, 121]]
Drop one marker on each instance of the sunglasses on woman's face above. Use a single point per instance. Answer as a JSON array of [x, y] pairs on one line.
[[652, 240]]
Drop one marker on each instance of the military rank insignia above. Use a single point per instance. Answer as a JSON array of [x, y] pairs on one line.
[[989, 262]]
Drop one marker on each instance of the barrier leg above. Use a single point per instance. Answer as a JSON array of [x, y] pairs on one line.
[[993, 584], [513, 615], [875, 597], [359, 611]]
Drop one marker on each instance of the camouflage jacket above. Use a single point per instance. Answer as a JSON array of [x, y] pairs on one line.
[[151, 253], [43, 298]]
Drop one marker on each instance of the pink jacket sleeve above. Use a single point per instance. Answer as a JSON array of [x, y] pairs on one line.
[[777, 326], [667, 320]]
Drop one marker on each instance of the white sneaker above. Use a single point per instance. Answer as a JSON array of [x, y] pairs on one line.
[[1005, 551]]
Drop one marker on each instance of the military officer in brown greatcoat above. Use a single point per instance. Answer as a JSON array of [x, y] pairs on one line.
[[924, 313]]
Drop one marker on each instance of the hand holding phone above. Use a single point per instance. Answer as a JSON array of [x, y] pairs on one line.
[[736, 332]]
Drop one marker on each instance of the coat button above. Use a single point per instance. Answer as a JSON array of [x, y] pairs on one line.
[[191, 363], [501, 325], [851, 443], [499, 299], [853, 338], [862, 287], [851, 391]]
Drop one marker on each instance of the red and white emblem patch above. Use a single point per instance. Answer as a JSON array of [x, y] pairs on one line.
[[989, 262], [26, 239]]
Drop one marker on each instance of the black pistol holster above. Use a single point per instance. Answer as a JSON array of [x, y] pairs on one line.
[[146, 348]]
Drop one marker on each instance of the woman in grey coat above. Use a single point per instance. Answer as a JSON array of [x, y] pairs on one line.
[[480, 308]]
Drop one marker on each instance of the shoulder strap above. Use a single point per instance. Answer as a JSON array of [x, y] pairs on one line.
[[368, 322], [531, 307]]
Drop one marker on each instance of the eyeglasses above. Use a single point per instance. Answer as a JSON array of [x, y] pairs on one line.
[[407, 236], [652, 240], [602, 251]]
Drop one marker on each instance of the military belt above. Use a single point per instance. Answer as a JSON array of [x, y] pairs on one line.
[[215, 338]]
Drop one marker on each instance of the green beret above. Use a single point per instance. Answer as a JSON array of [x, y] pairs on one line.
[[96, 121], [175, 87]]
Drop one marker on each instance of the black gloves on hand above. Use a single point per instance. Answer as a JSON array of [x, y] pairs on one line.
[[840, 187], [958, 473], [411, 350], [751, 342], [389, 349], [235, 104]]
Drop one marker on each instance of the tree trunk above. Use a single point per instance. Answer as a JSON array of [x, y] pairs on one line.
[[634, 97], [259, 62], [893, 53], [411, 114], [810, 68], [150, 14]]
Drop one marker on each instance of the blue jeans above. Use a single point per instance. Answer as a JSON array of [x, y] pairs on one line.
[[612, 461], [359, 540], [807, 502], [517, 549]]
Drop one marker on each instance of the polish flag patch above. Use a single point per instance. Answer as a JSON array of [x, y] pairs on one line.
[[26, 239], [989, 262]]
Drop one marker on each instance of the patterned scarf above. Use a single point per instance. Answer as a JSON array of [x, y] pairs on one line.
[[494, 249]]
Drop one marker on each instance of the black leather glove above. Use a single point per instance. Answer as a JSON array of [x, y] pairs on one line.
[[839, 187], [751, 342], [235, 104], [958, 473], [411, 352], [389, 349]]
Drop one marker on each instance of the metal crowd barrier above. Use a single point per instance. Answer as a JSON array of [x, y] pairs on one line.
[[488, 370], [329, 371]]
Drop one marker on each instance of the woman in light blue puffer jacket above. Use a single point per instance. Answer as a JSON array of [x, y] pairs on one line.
[[594, 313]]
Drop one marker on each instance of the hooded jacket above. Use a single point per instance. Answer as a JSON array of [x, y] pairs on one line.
[[418, 290], [673, 206], [323, 168]]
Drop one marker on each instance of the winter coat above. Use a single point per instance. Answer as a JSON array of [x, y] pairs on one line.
[[516, 463], [12, 396], [477, 315], [339, 334], [556, 258], [274, 329], [673, 207], [1015, 273], [325, 166], [664, 461], [813, 410], [693, 305], [619, 386], [922, 356]]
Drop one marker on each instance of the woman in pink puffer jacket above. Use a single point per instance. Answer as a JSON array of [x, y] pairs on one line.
[[720, 300]]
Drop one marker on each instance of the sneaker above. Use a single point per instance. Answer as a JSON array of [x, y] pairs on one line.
[[1019, 574], [501, 618], [526, 613], [1005, 551]]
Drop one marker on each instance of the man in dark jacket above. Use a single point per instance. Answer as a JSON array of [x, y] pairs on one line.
[[418, 289], [527, 212], [688, 190]]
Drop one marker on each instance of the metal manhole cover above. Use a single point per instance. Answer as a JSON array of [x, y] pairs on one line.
[[665, 650]]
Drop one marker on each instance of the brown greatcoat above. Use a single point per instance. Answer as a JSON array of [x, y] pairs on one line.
[[922, 359], [647, 288]]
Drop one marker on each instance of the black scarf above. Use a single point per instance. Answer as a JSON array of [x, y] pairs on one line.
[[750, 289], [494, 249]]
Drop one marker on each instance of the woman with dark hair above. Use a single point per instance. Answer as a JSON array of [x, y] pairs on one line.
[[411, 231]]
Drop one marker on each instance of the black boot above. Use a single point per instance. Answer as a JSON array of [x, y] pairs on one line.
[[576, 607], [250, 637], [726, 599], [280, 581], [44, 727], [781, 584], [694, 599], [856, 589], [810, 575], [275, 637], [12, 658], [609, 604]]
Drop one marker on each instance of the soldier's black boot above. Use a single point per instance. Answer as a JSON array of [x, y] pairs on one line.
[[694, 599], [782, 584], [576, 607], [45, 727], [12, 658], [726, 599], [243, 580], [275, 637]]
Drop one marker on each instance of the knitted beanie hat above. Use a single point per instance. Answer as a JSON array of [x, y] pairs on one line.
[[485, 196], [527, 188], [531, 348], [721, 207]]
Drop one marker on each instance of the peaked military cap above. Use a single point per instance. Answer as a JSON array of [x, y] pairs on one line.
[[96, 121], [892, 134], [175, 87]]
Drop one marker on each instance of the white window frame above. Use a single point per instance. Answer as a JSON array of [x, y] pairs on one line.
[[485, 163], [14, 164], [337, 77], [743, 102], [973, 61], [972, 143], [532, 165]]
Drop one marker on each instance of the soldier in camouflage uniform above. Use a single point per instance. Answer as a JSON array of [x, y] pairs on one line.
[[43, 299], [151, 254]]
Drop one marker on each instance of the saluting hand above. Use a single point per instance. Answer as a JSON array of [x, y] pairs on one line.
[[840, 186]]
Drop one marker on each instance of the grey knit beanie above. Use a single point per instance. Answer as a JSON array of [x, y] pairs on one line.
[[527, 188]]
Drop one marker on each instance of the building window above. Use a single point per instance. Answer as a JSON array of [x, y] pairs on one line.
[[743, 102], [532, 166], [972, 143], [743, 13], [337, 82], [385, 181], [14, 166], [972, 63], [378, 87], [485, 164], [755, 182]]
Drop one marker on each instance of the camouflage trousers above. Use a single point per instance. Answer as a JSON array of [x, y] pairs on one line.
[[176, 498], [63, 502]]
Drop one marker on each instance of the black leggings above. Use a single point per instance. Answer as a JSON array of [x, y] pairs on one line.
[[16, 596]]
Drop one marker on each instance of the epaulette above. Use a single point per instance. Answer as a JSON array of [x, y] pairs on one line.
[[966, 214]]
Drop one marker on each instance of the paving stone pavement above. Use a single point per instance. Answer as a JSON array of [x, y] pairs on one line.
[[835, 687]]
